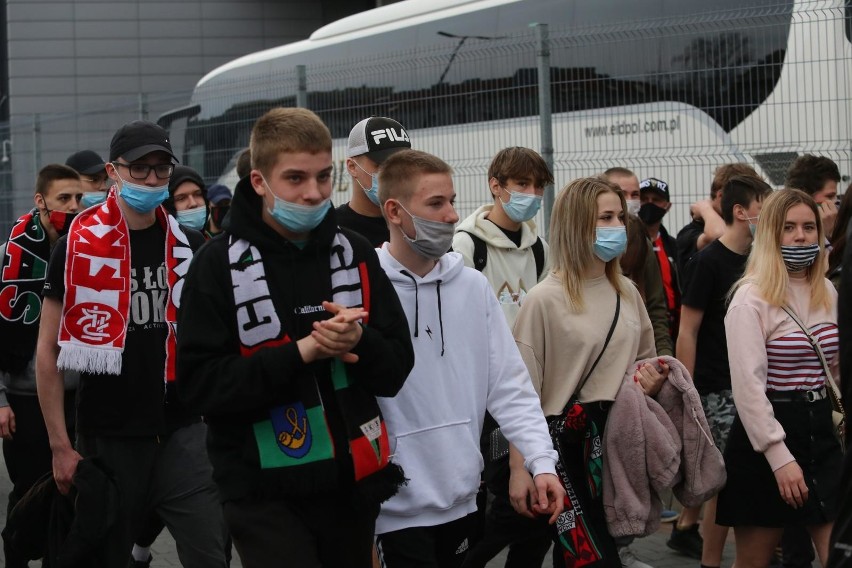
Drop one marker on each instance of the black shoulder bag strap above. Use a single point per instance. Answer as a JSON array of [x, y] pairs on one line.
[[606, 342], [538, 254], [480, 251]]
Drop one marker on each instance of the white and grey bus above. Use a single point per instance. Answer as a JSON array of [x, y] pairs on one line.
[[668, 88]]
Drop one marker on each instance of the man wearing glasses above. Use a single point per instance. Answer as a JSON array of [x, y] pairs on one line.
[[93, 176], [111, 297]]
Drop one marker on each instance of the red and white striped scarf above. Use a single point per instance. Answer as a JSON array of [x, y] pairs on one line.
[[96, 305]]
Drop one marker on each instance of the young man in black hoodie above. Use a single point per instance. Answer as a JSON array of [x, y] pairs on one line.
[[289, 330]]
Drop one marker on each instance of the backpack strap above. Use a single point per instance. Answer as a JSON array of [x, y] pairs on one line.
[[538, 254], [480, 251]]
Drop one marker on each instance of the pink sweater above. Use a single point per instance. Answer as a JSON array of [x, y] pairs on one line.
[[749, 325]]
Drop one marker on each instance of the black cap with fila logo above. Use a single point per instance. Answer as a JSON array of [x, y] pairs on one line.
[[377, 137], [656, 185]]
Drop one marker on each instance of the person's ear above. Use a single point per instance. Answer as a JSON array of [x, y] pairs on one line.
[[38, 199], [257, 182], [494, 186], [668, 206], [391, 210]]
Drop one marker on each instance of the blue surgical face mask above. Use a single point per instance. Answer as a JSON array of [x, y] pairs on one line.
[[141, 197], [610, 242], [193, 218], [92, 198], [373, 191], [521, 206], [294, 217]]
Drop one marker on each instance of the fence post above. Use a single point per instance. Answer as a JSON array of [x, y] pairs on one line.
[[545, 113], [143, 106], [36, 144], [302, 92]]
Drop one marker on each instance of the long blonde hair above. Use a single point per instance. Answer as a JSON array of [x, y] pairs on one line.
[[765, 267], [572, 235]]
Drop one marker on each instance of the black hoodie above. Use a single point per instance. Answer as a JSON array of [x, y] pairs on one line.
[[235, 392]]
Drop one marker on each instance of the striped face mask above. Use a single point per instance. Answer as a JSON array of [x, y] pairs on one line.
[[798, 258]]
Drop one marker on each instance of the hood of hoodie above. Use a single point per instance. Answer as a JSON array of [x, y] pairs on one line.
[[478, 224], [416, 293], [245, 221]]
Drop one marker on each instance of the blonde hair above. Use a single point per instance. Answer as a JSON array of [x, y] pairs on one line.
[[572, 235], [765, 267], [286, 130]]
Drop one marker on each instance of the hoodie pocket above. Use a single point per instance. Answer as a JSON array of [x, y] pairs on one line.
[[443, 465]]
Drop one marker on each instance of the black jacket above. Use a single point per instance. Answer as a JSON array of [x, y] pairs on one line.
[[66, 531], [236, 393]]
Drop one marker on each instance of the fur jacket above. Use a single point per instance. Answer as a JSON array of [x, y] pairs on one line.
[[653, 444]]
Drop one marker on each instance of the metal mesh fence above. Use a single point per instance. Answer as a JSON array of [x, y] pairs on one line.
[[672, 97]]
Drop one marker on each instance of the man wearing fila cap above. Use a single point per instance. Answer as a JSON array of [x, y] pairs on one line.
[[111, 296], [371, 142]]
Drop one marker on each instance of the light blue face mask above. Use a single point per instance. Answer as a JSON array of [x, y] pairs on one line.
[[610, 242], [294, 217], [141, 197], [92, 198], [373, 191], [521, 206], [193, 218]]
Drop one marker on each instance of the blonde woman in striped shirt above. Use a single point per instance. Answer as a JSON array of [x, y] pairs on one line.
[[782, 458]]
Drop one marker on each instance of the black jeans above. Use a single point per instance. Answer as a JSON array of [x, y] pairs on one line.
[[310, 532]]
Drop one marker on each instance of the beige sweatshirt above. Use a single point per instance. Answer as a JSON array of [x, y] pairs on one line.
[[750, 323], [559, 345]]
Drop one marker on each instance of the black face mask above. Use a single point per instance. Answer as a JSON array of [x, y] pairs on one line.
[[217, 214], [651, 214]]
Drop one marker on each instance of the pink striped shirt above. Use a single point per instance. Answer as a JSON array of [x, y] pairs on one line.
[[793, 363]]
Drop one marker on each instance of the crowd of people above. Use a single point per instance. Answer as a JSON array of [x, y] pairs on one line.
[[385, 384]]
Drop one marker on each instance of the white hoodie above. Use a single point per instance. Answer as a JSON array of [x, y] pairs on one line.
[[466, 362], [509, 268]]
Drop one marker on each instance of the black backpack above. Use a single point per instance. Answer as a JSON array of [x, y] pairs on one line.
[[480, 253]]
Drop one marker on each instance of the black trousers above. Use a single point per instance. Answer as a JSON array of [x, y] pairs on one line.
[[528, 539], [309, 532], [27, 454], [439, 546]]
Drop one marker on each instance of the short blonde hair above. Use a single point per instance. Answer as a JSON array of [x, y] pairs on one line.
[[286, 130], [572, 235], [765, 267], [398, 174]]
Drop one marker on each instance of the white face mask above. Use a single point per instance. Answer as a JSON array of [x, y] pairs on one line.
[[633, 206]]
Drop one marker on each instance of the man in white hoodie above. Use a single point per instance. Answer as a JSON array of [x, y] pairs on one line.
[[466, 362]]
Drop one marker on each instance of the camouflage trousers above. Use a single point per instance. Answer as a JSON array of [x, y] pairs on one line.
[[720, 411]]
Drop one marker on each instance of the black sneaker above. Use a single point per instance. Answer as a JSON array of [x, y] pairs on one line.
[[686, 541], [140, 563]]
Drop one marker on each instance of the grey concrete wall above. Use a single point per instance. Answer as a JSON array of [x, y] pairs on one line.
[[80, 69]]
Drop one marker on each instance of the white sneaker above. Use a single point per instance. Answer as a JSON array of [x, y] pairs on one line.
[[629, 560]]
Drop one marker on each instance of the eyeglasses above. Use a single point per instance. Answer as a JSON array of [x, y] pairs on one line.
[[97, 180], [141, 171]]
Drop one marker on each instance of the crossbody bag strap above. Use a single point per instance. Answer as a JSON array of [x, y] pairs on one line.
[[813, 341], [606, 342]]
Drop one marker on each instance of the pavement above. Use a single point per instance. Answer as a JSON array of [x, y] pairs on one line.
[[652, 549]]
